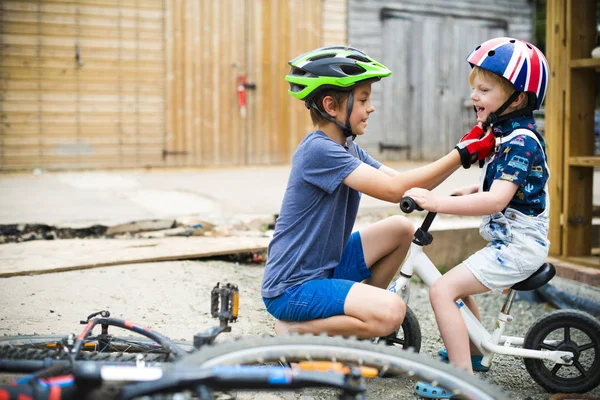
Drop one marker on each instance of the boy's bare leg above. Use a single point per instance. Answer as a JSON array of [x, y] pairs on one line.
[[470, 302], [370, 312], [457, 283], [385, 245]]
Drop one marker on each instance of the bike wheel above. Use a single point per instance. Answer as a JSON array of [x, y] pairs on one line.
[[105, 348], [565, 330], [408, 336], [388, 360]]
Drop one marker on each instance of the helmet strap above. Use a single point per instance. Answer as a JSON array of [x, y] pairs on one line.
[[349, 105], [346, 129], [495, 117]]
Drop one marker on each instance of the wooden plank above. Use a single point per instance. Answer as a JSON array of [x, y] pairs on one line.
[[593, 63], [169, 120], [591, 161], [62, 53], [71, 8], [127, 88], [92, 44], [38, 257], [95, 76], [188, 76], [555, 117], [579, 129], [150, 32]]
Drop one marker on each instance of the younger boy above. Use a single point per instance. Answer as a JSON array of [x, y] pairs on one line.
[[509, 80]]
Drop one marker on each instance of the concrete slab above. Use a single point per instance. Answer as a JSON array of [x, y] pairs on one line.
[[79, 199]]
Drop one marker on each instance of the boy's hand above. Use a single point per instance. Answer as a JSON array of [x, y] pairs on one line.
[[424, 198], [475, 146]]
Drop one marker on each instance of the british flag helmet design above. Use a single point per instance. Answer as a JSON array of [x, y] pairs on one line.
[[520, 62]]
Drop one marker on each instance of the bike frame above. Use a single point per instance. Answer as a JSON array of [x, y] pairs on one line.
[[488, 343]]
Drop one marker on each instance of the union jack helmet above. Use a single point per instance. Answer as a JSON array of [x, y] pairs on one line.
[[520, 62]]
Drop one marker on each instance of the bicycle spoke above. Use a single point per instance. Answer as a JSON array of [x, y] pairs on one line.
[[556, 368], [567, 334], [580, 368], [588, 346], [547, 346]]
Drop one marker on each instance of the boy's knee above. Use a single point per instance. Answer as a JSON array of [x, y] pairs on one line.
[[403, 227], [402, 222], [437, 292], [391, 317]]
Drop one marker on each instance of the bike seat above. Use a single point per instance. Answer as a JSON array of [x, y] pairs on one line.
[[537, 279]]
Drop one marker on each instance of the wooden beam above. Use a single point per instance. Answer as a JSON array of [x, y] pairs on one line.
[[579, 130]]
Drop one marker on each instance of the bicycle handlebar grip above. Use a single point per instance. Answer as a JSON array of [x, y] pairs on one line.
[[408, 205]]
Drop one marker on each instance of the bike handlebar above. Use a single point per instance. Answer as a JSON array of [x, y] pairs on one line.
[[408, 205]]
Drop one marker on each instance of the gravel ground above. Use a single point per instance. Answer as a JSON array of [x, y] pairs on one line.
[[173, 298]]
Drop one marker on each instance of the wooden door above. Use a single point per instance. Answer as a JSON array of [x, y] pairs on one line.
[[209, 46], [426, 99]]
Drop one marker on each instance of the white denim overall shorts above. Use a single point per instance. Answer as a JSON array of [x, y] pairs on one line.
[[518, 243]]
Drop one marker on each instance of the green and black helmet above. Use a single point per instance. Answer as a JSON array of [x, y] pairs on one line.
[[334, 67]]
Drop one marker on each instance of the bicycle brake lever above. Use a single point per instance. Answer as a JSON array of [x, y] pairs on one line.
[[102, 313]]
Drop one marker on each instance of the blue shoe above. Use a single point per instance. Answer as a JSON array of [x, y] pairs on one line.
[[428, 391], [475, 360]]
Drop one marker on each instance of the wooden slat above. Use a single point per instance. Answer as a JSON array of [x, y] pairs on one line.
[[579, 128], [591, 161], [107, 112], [74, 254], [593, 63]]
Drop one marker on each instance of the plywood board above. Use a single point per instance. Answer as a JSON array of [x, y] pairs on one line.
[[40, 257]]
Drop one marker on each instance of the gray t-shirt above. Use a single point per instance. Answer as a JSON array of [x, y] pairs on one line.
[[317, 214]]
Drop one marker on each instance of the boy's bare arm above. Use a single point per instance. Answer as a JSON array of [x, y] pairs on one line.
[[466, 190], [388, 171], [482, 203], [378, 184]]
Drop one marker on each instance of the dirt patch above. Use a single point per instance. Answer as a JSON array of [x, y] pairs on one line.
[[15, 233]]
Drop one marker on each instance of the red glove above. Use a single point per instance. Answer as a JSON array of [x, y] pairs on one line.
[[475, 145]]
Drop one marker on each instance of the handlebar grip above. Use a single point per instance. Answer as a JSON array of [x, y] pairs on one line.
[[408, 205]]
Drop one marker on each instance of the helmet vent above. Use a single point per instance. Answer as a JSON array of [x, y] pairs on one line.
[[300, 72], [491, 53], [351, 69], [322, 56], [358, 58], [297, 88]]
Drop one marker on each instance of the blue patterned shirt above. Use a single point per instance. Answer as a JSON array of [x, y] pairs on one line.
[[523, 162]]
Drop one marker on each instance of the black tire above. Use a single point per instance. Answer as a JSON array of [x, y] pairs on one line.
[[43, 348], [388, 360], [408, 336], [576, 331]]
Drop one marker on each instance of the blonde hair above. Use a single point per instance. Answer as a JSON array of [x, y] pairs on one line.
[[507, 87]]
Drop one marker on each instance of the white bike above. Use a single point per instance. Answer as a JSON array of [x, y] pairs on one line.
[[561, 350]]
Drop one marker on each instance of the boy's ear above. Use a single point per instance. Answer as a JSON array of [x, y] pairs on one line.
[[521, 100], [330, 106]]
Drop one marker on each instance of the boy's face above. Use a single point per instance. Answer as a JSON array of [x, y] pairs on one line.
[[361, 109], [487, 97]]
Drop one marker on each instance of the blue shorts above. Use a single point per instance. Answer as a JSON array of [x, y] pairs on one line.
[[323, 298]]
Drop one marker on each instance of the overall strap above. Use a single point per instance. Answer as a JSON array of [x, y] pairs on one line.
[[508, 138]]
